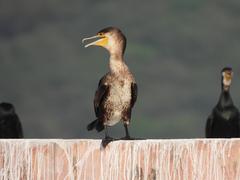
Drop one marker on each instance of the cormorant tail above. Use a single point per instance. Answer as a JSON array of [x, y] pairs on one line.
[[95, 124]]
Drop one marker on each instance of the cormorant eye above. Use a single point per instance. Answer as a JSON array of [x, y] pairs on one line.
[[100, 34]]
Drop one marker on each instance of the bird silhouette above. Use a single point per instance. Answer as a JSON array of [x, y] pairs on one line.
[[10, 125]]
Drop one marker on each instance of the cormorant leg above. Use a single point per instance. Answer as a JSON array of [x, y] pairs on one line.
[[106, 133], [127, 136], [107, 138], [126, 131]]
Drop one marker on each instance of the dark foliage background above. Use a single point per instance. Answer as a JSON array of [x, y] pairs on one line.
[[176, 50]]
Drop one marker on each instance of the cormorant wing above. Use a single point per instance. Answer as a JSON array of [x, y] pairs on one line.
[[19, 128], [100, 95], [238, 124], [10, 127], [134, 92], [209, 126]]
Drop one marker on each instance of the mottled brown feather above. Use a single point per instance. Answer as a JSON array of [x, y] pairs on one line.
[[100, 96], [134, 93]]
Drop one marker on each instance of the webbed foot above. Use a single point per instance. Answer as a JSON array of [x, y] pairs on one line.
[[107, 140], [130, 138]]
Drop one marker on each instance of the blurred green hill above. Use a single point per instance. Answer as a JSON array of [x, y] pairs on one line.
[[175, 49]]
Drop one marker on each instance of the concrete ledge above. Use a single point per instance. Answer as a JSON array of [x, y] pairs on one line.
[[197, 159]]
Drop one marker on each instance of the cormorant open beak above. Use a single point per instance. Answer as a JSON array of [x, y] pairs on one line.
[[99, 42]]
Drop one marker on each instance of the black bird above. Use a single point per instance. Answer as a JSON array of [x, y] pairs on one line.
[[224, 121], [10, 125], [117, 90]]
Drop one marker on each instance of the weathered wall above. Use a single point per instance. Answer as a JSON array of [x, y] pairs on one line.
[[198, 159]]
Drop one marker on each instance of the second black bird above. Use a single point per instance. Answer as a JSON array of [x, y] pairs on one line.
[[224, 121]]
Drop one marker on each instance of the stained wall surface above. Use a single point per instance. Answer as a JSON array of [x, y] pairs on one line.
[[84, 159]]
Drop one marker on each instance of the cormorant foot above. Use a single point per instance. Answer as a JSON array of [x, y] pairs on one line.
[[127, 138], [106, 141], [130, 138]]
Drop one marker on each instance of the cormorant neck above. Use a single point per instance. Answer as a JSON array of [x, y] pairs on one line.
[[116, 63], [225, 99], [116, 56], [225, 87]]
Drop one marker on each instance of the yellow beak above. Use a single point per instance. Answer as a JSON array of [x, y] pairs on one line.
[[99, 42]]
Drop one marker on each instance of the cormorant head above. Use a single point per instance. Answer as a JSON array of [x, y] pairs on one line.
[[227, 75], [6, 109], [110, 38]]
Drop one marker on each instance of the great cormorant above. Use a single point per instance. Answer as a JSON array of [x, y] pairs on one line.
[[224, 121], [10, 125], [117, 90]]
